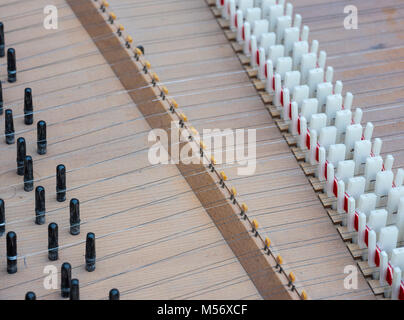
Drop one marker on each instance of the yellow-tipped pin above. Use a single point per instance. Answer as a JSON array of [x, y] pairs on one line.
[[164, 90], [304, 295], [267, 242], [244, 207], [213, 160], [121, 28], [255, 224], [292, 277], [233, 191], [223, 175], [138, 51], [183, 117], [193, 130], [279, 259], [104, 4], [202, 145], [128, 41], [155, 77], [174, 104], [112, 16]]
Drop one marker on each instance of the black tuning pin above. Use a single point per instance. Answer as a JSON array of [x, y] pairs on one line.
[[75, 290], [2, 218], [2, 44], [90, 252], [74, 217], [11, 252], [40, 205], [66, 274], [114, 294], [41, 137], [53, 244], [1, 98], [141, 48], [11, 65], [30, 295], [28, 107], [28, 174], [60, 183], [9, 126], [21, 153]]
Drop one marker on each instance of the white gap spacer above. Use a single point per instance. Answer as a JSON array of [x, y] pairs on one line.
[[372, 167], [361, 222], [278, 90], [283, 65], [294, 117], [399, 179], [275, 52], [396, 285], [343, 119], [397, 257], [388, 162], [225, 9], [282, 23], [219, 3], [361, 153], [393, 199], [368, 132], [292, 79], [348, 101], [388, 238], [304, 36], [340, 196], [356, 187], [300, 93], [318, 121], [329, 75], [274, 12], [329, 175], [252, 15], [269, 72], [246, 38], [377, 146], [351, 215], [239, 25], [357, 119], [345, 170], [302, 131], [299, 49], [260, 28], [297, 22], [384, 260], [266, 5], [289, 10], [332, 105], [324, 89], [232, 14], [384, 181], [313, 147], [353, 133], [286, 104], [291, 36], [327, 136], [315, 77], [309, 107], [322, 58], [400, 220], [367, 203], [338, 87], [314, 47], [308, 62], [261, 64], [320, 151], [243, 5], [254, 51], [336, 153], [267, 40], [371, 247]]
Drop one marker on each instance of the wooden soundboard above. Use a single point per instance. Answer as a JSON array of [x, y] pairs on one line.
[[158, 234]]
